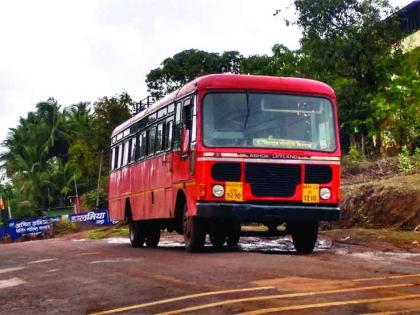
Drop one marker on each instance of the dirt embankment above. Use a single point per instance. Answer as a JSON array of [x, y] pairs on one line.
[[376, 195]]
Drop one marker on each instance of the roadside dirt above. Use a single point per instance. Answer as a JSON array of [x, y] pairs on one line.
[[376, 195]]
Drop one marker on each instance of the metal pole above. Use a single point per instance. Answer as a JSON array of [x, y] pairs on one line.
[[76, 202], [75, 185], [8, 207], [99, 180]]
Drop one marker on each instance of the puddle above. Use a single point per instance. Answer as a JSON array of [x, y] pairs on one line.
[[79, 240], [117, 240], [277, 244], [246, 244]]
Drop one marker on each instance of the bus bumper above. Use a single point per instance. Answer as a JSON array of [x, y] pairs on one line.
[[266, 213]]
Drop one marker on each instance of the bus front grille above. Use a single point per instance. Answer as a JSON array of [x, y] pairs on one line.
[[226, 172], [318, 174], [272, 180]]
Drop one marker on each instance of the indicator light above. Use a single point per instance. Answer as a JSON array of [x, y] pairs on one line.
[[218, 191], [325, 193]]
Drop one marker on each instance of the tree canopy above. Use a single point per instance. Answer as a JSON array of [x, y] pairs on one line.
[[54, 148]]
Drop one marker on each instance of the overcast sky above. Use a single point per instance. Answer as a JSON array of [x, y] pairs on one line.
[[79, 50]]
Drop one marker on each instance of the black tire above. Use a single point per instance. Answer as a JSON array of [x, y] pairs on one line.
[[136, 233], [304, 236], [234, 235], [218, 239], [194, 233], [152, 235]]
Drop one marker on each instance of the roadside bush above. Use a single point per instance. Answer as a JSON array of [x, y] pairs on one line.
[[417, 157], [351, 161], [64, 226], [404, 162]]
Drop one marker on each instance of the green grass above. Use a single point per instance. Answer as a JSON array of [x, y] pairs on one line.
[[105, 232]]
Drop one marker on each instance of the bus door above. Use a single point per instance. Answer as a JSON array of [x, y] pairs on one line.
[[184, 140], [166, 167]]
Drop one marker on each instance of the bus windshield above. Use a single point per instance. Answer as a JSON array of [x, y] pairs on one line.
[[267, 120]]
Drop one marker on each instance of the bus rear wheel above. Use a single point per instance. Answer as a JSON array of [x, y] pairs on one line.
[[136, 233], [218, 239], [152, 235], [194, 233], [304, 235]]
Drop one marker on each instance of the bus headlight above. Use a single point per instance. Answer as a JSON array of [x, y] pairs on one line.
[[325, 193], [218, 191]]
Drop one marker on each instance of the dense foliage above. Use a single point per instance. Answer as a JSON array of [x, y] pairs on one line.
[[54, 149]]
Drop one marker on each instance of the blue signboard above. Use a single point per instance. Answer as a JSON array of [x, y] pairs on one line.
[[98, 217], [35, 226]]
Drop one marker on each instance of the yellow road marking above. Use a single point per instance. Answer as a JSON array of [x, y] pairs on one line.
[[185, 297], [388, 277], [282, 296], [386, 313], [328, 304]]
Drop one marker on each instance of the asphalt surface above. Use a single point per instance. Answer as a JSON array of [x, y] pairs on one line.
[[264, 276]]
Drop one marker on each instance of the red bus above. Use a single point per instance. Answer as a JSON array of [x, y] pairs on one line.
[[227, 149]]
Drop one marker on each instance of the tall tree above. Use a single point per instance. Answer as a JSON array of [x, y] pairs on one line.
[[347, 44], [188, 65]]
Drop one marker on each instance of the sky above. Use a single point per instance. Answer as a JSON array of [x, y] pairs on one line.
[[78, 50]]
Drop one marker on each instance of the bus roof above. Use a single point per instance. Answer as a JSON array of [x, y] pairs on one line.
[[235, 82]]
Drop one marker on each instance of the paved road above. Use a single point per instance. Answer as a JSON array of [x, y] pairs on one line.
[[60, 276]]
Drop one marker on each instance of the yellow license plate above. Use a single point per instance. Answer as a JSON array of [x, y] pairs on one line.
[[234, 191], [310, 193]]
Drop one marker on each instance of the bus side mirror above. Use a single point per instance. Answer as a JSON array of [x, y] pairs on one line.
[[185, 141]]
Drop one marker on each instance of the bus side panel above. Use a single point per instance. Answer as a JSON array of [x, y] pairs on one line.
[[112, 199], [181, 168], [117, 203], [125, 188], [169, 203], [138, 187], [191, 192], [162, 181]]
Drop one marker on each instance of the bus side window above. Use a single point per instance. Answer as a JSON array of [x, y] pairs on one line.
[[133, 148], [120, 156], [151, 141], [177, 127], [188, 120], [159, 138], [114, 152], [169, 134], [194, 120], [128, 152], [125, 153], [142, 145]]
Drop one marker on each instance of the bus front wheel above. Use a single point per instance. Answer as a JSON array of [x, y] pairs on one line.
[[234, 235], [136, 233], [194, 234], [304, 235]]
